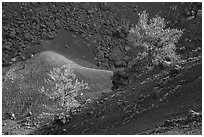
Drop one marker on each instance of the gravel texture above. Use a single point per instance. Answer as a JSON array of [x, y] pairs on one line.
[[106, 24], [143, 98]]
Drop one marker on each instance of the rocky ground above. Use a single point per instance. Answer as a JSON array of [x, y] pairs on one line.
[[144, 101], [105, 24]]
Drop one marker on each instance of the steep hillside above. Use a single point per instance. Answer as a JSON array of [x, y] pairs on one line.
[[102, 68], [152, 98]]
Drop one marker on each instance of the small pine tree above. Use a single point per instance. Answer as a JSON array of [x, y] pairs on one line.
[[66, 86], [157, 41]]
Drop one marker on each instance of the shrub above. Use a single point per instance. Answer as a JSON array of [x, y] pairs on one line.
[[66, 86], [157, 41]]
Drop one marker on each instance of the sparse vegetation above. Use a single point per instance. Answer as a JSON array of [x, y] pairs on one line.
[[146, 96], [157, 42]]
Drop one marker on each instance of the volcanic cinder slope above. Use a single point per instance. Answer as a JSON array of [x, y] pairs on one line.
[[22, 82], [151, 99]]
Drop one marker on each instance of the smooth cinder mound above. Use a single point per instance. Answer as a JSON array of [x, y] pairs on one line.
[[98, 80], [23, 82]]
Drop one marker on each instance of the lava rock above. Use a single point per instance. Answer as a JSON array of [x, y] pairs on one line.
[[117, 57], [28, 36], [119, 63]]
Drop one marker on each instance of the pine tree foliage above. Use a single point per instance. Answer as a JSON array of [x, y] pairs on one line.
[[66, 86], [157, 41]]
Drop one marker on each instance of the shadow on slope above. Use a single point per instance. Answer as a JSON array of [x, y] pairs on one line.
[[149, 100]]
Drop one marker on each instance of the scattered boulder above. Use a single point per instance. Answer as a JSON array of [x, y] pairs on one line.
[[119, 79], [61, 119]]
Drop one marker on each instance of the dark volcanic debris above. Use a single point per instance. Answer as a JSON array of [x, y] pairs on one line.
[[144, 97], [31, 22]]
